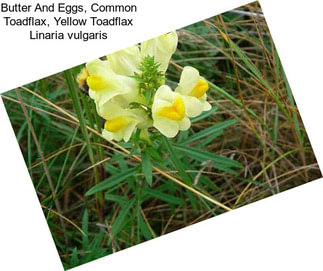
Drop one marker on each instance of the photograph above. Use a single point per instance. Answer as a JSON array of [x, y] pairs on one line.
[[161, 135]]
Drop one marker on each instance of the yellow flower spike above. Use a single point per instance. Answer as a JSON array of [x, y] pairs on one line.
[[97, 83], [175, 112], [117, 124], [200, 88]]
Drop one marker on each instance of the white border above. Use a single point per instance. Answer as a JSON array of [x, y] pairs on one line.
[[283, 232]]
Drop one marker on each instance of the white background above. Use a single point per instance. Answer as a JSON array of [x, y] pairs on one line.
[[283, 232]]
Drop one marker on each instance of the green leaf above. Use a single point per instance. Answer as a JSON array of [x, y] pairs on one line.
[[147, 167], [177, 163], [115, 198], [163, 196], [85, 221], [112, 181], [118, 223], [74, 258], [206, 141], [144, 228], [219, 162], [204, 156], [148, 94], [204, 115], [210, 130], [154, 154]]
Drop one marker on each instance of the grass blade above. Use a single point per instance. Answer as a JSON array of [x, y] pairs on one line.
[[78, 110], [255, 71]]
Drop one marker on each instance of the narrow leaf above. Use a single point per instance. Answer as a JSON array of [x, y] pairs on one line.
[[115, 198], [85, 221], [144, 228], [147, 167], [117, 225], [209, 131], [112, 181], [163, 196], [204, 115], [204, 156], [177, 163]]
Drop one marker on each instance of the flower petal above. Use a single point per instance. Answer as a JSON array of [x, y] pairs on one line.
[[189, 78], [161, 48], [185, 124], [107, 135], [110, 110], [127, 132], [206, 106], [99, 68], [166, 127], [194, 106], [126, 61], [165, 93]]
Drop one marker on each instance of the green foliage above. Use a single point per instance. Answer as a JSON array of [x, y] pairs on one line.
[[209, 131], [176, 161], [90, 249], [147, 167], [112, 181]]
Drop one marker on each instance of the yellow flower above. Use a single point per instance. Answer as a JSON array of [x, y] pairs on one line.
[[193, 87], [104, 84], [127, 61], [120, 123], [161, 48], [169, 112]]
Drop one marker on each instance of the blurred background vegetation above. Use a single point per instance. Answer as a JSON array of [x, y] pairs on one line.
[[251, 145]]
